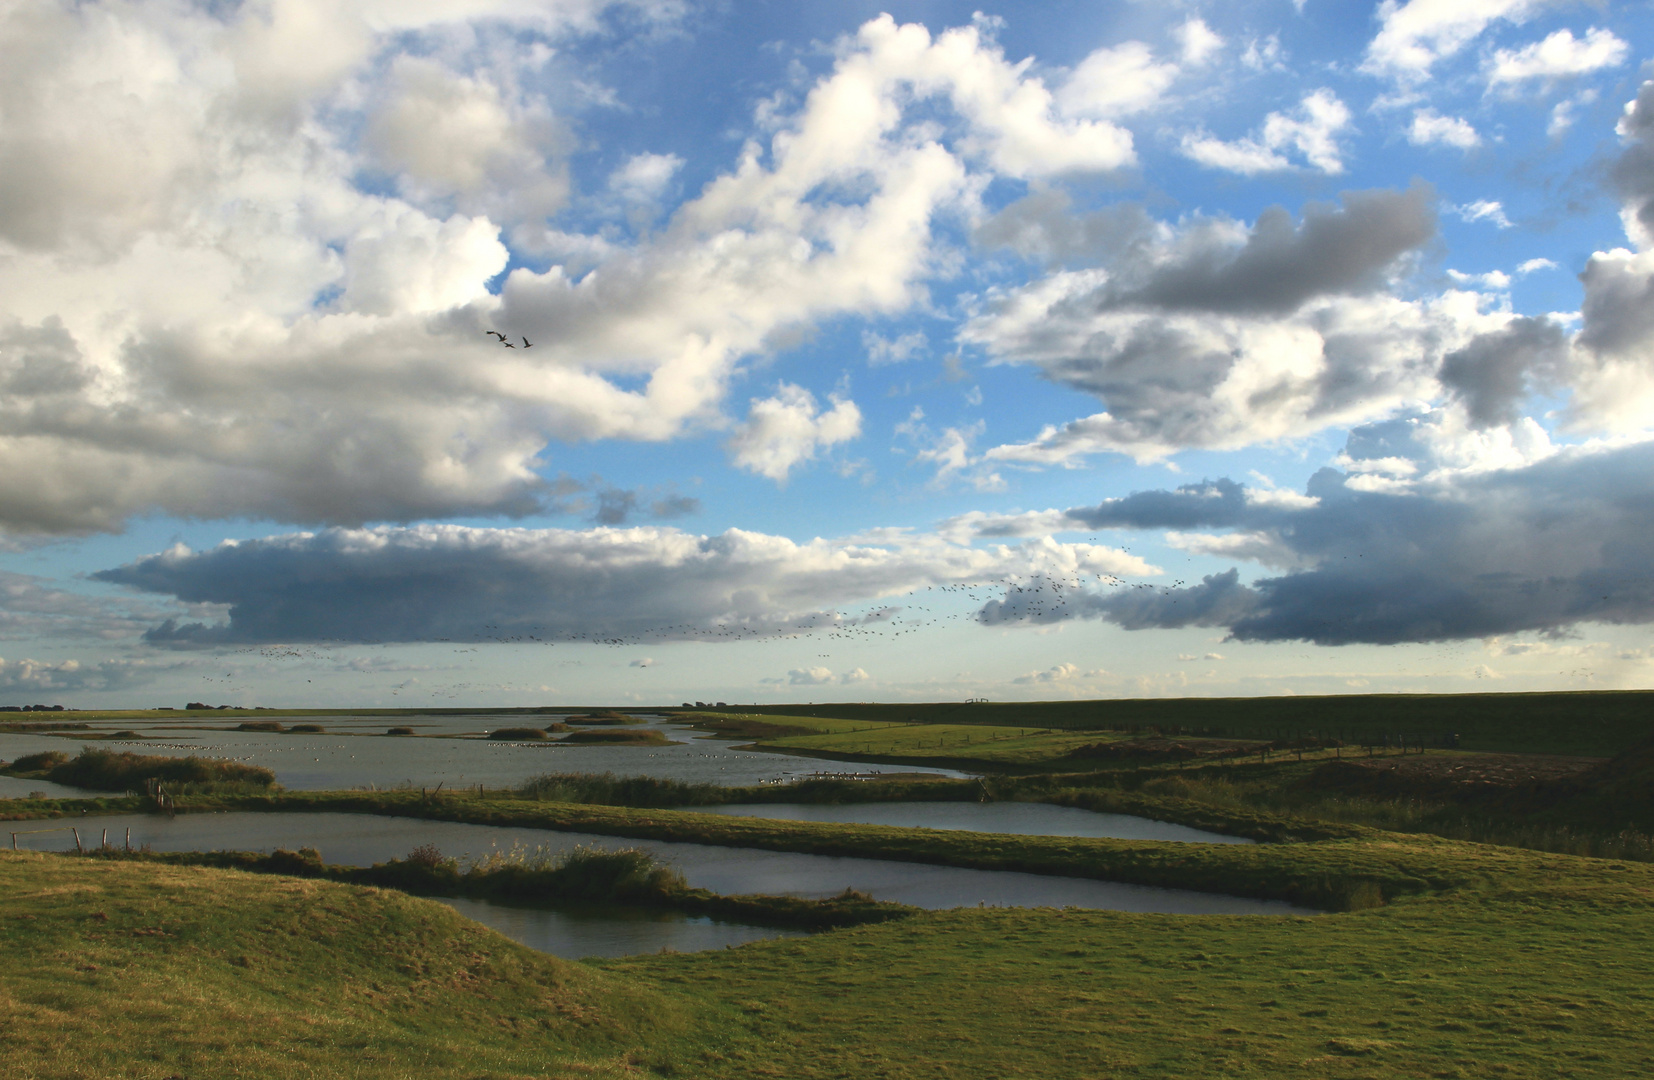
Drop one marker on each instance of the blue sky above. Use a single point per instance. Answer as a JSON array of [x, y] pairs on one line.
[[904, 351]]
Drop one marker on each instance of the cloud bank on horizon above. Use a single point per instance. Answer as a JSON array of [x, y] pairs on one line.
[[604, 323]]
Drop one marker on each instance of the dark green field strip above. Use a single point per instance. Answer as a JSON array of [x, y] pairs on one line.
[[1600, 723]]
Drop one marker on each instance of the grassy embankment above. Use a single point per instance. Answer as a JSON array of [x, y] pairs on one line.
[[122, 969]]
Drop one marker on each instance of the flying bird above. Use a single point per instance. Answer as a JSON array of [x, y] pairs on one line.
[[527, 344]]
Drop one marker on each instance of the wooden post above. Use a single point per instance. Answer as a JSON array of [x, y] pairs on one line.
[[129, 838], [14, 841], [77, 841], [105, 841]]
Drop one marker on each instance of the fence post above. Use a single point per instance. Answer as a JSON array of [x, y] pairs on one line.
[[77, 841], [129, 838]]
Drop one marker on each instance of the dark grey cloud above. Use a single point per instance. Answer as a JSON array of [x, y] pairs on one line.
[[451, 583], [1633, 171], [1211, 335], [1342, 249], [1567, 540], [1208, 504], [1497, 370], [1042, 226]]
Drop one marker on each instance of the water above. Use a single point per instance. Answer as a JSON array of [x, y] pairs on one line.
[[356, 753], [1016, 818], [611, 931], [364, 839]]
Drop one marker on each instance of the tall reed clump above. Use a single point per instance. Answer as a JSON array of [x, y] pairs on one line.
[[107, 770], [607, 789], [582, 875]]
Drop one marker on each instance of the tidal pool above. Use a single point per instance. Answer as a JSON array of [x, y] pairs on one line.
[[1016, 818], [355, 752]]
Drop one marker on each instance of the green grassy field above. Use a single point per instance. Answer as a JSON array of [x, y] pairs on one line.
[[1587, 722], [1542, 966]]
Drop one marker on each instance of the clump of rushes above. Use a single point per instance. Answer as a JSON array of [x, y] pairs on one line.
[[400, 731], [260, 725], [106, 770], [306, 729], [607, 789], [518, 734], [622, 738]]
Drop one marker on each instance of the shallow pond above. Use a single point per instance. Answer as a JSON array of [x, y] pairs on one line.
[[1016, 818], [355, 752]]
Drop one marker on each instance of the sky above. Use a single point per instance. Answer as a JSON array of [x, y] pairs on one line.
[[535, 352]]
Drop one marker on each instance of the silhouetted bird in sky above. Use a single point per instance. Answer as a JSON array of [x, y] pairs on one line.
[[527, 344]]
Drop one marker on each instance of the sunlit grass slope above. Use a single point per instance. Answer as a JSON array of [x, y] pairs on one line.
[[1531, 983], [112, 969]]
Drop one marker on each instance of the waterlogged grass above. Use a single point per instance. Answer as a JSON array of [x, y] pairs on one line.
[[126, 969]]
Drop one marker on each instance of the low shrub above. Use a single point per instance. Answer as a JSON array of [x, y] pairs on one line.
[[260, 725], [42, 762], [305, 729], [400, 731]]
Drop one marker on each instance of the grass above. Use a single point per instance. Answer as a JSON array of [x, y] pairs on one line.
[[126, 969], [1411, 990]]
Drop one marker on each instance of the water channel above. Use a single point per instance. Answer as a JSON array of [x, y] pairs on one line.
[[363, 839], [1015, 818]]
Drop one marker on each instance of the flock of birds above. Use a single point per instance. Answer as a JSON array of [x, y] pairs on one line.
[[527, 344]]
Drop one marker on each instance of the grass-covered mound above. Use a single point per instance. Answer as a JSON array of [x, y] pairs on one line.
[[619, 738], [607, 789], [602, 718], [109, 770], [133, 969], [261, 725], [526, 734]]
